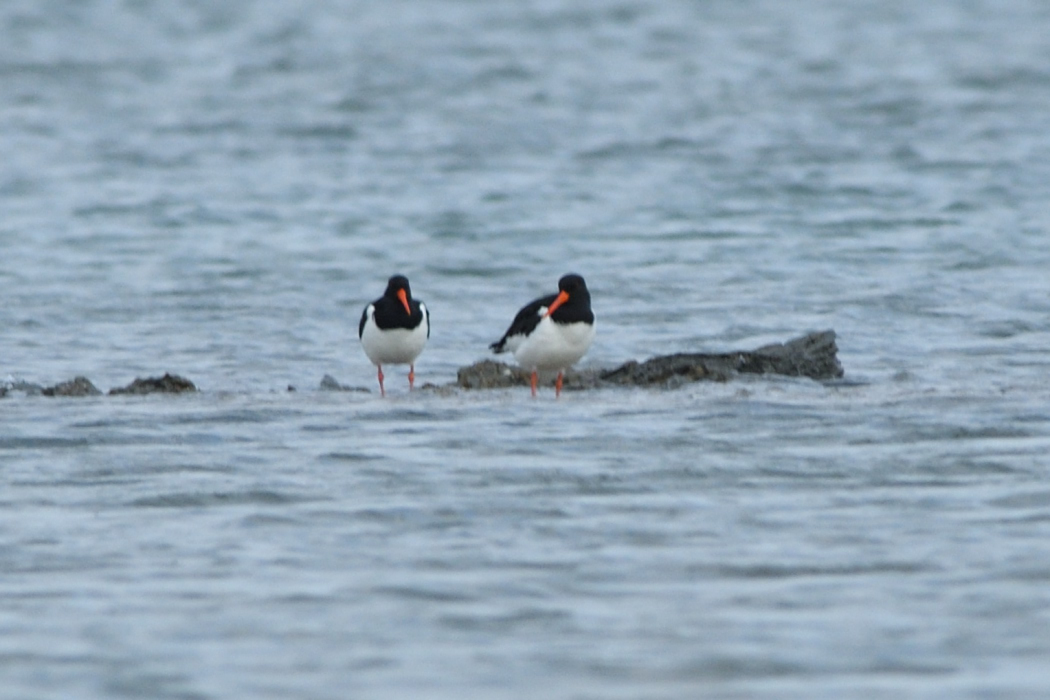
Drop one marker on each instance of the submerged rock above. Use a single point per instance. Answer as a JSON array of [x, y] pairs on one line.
[[439, 389], [27, 388], [329, 383], [489, 374], [78, 386], [814, 355], [168, 384]]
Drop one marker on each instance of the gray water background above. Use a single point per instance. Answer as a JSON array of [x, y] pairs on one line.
[[216, 189]]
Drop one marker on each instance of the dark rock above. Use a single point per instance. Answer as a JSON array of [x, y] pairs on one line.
[[28, 388], [814, 355], [681, 367], [489, 374], [438, 389], [329, 383], [168, 384], [78, 386]]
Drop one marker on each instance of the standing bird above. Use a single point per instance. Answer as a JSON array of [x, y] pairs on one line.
[[394, 328], [552, 332]]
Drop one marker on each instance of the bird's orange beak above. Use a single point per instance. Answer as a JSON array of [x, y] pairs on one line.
[[561, 299], [404, 301]]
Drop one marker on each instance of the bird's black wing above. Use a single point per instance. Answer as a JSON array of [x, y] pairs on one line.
[[525, 322]]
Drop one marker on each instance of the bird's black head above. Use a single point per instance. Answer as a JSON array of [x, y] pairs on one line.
[[572, 290], [572, 283], [396, 283], [397, 290]]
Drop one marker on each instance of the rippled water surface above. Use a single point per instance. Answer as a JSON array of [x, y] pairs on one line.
[[216, 189]]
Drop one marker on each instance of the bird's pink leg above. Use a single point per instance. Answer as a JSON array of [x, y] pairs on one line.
[[411, 376], [557, 386], [382, 391], [535, 380]]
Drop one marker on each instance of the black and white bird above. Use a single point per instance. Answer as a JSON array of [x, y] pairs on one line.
[[552, 332], [394, 328]]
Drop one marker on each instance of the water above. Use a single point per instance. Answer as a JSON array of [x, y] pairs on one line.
[[216, 189]]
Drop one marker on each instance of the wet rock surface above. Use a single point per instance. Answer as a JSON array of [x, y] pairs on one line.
[[489, 374], [82, 386], [20, 385], [78, 386], [814, 355], [330, 383], [168, 384]]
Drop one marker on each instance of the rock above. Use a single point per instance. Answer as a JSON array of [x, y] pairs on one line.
[[28, 388], [78, 386], [814, 355], [489, 374], [168, 384], [329, 383], [439, 389], [681, 367]]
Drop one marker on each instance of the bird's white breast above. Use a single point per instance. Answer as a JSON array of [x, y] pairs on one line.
[[393, 346], [554, 346]]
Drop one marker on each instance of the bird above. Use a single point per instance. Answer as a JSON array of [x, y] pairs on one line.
[[552, 332], [394, 329]]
